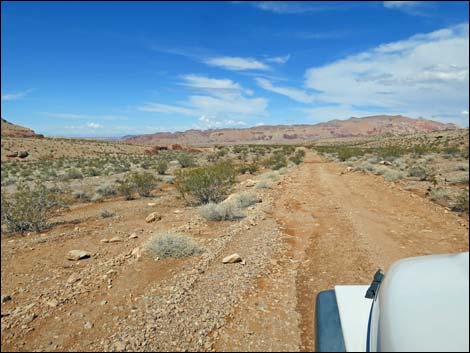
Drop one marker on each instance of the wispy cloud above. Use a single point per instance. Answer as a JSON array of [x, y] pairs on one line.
[[317, 35], [221, 102], [74, 116], [293, 93], [167, 109], [212, 85], [279, 59], [15, 96], [410, 7], [236, 63], [298, 7], [427, 75]]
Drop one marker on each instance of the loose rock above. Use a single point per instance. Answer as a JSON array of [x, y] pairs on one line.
[[76, 255], [232, 259], [153, 217]]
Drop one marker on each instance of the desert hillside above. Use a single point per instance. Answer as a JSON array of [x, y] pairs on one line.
[[352, 127], [12, 130]]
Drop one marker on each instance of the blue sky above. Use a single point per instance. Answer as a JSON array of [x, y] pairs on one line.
[[117, 68]]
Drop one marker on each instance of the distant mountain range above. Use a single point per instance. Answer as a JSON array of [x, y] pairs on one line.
[[278, 134]]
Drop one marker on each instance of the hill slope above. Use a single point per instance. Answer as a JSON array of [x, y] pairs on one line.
[[367, 126], [12, 130]]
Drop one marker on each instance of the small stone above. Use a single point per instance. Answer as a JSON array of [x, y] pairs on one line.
[[76, 255], [52, 303], [88, 325], [115, 240], [151, 204], [74, 277], [133, 236], [177, 211], [232, 259], [103, 302], [119, 346], [137, 252], [29, 318], [153, 217], [6, 298], [105, 240]]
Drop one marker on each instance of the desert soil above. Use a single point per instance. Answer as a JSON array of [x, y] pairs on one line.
[[315, 228]]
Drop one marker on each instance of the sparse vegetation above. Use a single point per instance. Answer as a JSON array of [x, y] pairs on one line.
[[172, 245], [224, 211], [28, 209], [206, 184]]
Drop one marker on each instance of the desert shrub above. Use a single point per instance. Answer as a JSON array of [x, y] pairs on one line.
[[186, 160], [96, 198], [263, 184], [272, 176], [458, 178], [251, 168], [245, 199], [440, 194], [81, 195], [366, 167], [418, 171], [28, 209], [224, 211], [460, 204], [162, 166], [106, 214], [298, 157], [166, 178], [172, 245], [393, 175], [74, 173], [142, 183], [277, 161], [462, 167], [206, 184], [106, 190]]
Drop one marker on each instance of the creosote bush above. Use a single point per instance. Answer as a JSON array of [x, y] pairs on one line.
[[206, 184], [162, 166], [135, 182], [172, 245], [28, 209]]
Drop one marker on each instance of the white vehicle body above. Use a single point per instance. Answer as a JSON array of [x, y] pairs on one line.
[[422, 304]]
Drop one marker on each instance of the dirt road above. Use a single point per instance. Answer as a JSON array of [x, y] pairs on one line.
[[315, 228], [342, 228]]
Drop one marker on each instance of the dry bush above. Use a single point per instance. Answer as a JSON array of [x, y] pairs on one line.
[[174, 245], [224, 211]]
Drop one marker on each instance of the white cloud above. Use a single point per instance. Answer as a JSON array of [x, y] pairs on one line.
[[464, 112], [166, 109], [425, 75], [94, 125], [279, 59], [65, 115], [400, 4], [222, 101], [296, 7], [15, 96], [214, 86], [236, 63], [206, 122], [293, 93]]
